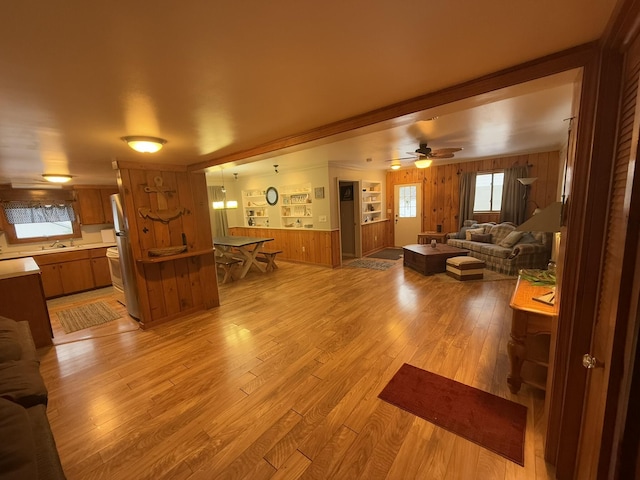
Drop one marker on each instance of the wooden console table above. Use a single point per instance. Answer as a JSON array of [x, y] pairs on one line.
[[533, 327]]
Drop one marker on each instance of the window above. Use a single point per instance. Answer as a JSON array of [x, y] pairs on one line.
[[407, 201], [488, 192], [32, 216]]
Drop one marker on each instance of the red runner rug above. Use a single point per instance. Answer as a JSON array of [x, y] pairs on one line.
[[492, 422]]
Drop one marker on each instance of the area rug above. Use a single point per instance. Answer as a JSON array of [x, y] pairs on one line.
[[492, 422], [387, 254], [372, 264], [85, 316]]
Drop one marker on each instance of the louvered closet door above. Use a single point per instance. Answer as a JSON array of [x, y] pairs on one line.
[[616, 253]]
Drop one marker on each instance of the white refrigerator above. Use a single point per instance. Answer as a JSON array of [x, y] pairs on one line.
[[127, 265]]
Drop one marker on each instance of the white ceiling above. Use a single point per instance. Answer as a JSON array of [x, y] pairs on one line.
[[215, 78]]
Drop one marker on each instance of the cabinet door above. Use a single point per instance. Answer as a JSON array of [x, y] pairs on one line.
[[76, 276], [105, 197], [101, 272], [51, 281], [91, 210]]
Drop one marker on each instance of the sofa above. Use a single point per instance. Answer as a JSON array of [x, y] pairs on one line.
[[502, 247], [27, 449]]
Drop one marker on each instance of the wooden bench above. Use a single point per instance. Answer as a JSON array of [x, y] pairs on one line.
[[268, 257], [226, 263]]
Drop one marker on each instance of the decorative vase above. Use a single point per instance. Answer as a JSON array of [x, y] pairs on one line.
[[433, 243]]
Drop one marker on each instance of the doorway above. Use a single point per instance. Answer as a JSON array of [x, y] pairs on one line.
[[348, 209], [407, 213]]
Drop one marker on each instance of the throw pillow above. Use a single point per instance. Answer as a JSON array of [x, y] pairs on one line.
[[471, 231], [481, 237], [511, 239], [528, 237]]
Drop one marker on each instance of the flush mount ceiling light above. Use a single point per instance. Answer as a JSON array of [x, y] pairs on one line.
[[423, 163], [395, 165], [144, 144], [55, 178]]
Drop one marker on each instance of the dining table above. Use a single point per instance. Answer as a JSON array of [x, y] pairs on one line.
[[247, 248]]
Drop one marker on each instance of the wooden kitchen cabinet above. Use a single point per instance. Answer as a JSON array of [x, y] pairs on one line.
[[95, 205], [100, 267], [65, 273], [22, 298]]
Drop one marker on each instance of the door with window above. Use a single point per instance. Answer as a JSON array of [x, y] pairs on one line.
[[407, 213]]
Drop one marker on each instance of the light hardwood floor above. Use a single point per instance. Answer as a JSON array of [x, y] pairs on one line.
[[281, 382]]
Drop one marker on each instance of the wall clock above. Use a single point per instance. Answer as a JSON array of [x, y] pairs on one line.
[[272, 195]]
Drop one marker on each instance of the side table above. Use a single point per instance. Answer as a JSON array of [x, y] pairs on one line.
[[533, 326]]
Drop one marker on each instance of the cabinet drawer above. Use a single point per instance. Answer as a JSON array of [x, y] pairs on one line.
[[98, 252], [50, 258]]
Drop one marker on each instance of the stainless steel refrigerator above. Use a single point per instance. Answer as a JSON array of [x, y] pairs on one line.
[[127, 264]]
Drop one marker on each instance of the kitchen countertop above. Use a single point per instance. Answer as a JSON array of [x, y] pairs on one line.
[[34, 251], [18, 267]]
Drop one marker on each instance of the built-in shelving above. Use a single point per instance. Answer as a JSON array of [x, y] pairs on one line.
[[296, 206], [371, 201], [254, 204]]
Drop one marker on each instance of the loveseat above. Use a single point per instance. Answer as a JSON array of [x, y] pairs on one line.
[[27, 448], [502, 247]]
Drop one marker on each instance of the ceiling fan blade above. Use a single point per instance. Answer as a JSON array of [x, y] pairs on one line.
[[402, 159], [446, 150], [441, 155]]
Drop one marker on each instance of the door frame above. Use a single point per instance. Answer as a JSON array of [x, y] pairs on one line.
[[419, 207]]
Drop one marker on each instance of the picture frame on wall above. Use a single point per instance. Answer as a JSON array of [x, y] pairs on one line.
[[319, 192]]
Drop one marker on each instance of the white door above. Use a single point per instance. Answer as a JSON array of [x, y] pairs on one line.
[[407, 213]]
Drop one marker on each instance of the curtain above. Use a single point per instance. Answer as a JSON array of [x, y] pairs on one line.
[[467, 196], [514, 201], [219, 223], [29, 212]]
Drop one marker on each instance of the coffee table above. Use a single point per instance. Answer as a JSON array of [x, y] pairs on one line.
[[429, 260]]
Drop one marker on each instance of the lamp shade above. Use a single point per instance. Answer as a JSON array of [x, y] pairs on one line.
[[423, 163], [548, 220]]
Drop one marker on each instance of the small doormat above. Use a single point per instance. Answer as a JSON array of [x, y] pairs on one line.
[[387, 254], [492, 422], [373, 264], [85, 316]]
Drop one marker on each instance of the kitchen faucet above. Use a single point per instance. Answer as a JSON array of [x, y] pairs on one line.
[[54, 243]]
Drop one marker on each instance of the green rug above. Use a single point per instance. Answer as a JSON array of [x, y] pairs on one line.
[[372, 264], [85, 316]]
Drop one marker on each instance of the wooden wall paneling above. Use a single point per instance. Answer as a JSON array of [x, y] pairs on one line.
[[170, 287], [176, 199], [141, 231], [194, 265], [336, 259], [183, 284], [154, 292], [189, 224], [162, 237]]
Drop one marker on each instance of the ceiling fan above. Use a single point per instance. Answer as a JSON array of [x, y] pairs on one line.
[[425, 155]]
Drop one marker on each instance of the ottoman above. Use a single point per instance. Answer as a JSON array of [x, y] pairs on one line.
[[465, 268]]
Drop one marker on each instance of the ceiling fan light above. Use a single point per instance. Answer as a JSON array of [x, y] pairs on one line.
[[144, 144], [56, 178], [423, 163]]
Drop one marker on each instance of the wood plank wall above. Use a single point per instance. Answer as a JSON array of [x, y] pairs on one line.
[[175, 286], [319, 247], [375, 236], [441, 183]]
